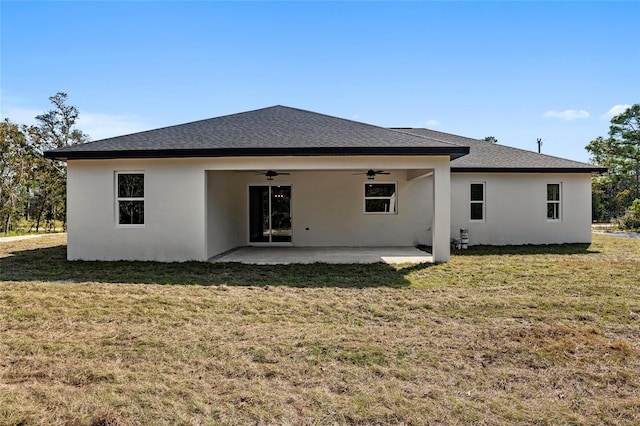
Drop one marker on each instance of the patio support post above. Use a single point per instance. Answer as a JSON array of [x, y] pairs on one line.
[[441, 212]]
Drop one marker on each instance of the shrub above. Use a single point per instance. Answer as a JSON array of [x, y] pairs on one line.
[[631, 219]]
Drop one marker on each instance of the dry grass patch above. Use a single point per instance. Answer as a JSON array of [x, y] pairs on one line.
[[528, 335]]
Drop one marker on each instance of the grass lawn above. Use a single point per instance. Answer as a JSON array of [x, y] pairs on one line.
[[511, 335]]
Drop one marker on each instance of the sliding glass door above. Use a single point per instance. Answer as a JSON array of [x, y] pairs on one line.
[[270, 214]]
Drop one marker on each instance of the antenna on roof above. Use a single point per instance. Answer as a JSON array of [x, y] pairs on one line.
[[539, 145]]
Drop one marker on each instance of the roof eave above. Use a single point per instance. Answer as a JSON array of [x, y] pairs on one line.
[[594, 169], [453, 152]]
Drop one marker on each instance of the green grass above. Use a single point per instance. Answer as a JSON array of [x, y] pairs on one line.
[[525, 335], [24, 227], [45, 260]]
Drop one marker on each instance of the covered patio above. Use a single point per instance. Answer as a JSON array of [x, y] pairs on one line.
[[275, 178], [323, 203], [337, 255]]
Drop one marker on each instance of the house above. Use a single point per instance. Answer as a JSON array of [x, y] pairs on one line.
[[282, 176]]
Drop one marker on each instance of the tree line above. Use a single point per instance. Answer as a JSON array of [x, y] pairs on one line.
[[32, 188], [616, 194]]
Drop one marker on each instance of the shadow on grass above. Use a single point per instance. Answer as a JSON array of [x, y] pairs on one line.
[[555, 249], [50, 264]]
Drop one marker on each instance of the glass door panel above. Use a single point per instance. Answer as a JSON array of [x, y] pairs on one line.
[[281, 214], [270, 214], [259, 214]]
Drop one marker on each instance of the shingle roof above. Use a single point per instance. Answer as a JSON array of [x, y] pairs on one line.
[[490, 157], [281, 130], [277, 130]]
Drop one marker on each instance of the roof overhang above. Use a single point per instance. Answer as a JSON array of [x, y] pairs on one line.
[[594, 169], [68, 154]]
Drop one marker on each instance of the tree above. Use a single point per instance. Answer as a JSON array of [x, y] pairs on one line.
[[490, 139], [620, 153], [32, 187], [15, 169], [625, 135], [55, 129]]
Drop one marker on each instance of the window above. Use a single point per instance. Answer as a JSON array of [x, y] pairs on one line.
[[130, 198], [553, 201], [380, 198], [476, 201]]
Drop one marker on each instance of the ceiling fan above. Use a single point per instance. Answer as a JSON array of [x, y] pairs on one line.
[[270, 174], [371, 174]]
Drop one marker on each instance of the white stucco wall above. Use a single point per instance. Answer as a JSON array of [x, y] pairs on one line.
[[197, 208], [328, 209], [225, 212], [441, 212], [515, 208], [174, 212]]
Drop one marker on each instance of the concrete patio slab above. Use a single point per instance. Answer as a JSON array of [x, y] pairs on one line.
[[289, 255]]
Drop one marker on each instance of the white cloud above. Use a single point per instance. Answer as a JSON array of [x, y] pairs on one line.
[[615, 110], [19, 115], [101, 126], [96, 125], [567, 115], [424, 124]]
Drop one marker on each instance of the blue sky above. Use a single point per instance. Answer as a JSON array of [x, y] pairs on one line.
[[515, 70]]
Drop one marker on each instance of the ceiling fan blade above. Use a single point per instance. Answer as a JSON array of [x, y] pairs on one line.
[[371, 174], [283, 173]]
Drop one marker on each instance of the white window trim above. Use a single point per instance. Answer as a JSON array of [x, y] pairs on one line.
[[558, 202], [394, 198], [116, 204], [483, 202]]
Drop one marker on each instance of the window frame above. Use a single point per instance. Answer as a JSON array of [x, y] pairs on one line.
[[393, 197], [557, 202], [483, 202], [119, 199]]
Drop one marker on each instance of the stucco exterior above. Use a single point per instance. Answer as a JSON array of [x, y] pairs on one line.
[[515, 208], [198, 208], [174, 212], [201, 191]]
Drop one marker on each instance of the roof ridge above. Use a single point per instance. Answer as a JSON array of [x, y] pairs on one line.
[[542, 154], [437, 131], [266, 130], [399, 130], [183, 124], [500, 145], [268, 108], [361, 123]]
